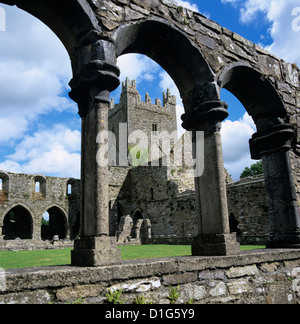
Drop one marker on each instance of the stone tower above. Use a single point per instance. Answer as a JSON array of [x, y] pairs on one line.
[[142, 118]]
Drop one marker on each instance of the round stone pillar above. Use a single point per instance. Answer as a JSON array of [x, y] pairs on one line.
[[91, 90], [273, 146], [214, 236]]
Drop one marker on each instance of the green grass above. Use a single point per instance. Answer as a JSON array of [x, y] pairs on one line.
[[26, 259], [154, 251]]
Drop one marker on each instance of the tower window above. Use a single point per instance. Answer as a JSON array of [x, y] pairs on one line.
[[37, 186], [154, 129]]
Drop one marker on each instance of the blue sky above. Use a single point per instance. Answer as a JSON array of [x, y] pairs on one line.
[[39, 125]]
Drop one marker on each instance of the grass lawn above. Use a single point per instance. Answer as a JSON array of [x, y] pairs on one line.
[[25, 259]]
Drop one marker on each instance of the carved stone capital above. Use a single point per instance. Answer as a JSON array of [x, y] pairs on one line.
[[273, 139], [95, 83], [206, 117]]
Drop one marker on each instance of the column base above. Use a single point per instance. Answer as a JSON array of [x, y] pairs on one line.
[[216, 245], [96, 252]]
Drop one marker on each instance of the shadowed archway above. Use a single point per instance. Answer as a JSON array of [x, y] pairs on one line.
[[56, 225], [18, 223]]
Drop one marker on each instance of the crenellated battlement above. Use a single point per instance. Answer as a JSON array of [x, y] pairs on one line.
[[129, 90]]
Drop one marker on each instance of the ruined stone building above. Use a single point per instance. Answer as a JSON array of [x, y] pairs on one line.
[[148, 204], [202, 58], [24, 200]]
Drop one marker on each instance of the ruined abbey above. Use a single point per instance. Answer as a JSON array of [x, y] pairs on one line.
[[138, 203], [148, 204]]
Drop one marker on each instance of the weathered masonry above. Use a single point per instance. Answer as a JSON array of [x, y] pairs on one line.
[[24, 200], [256, 277], [202, 58]]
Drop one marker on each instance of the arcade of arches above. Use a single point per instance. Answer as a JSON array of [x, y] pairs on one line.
[[201, 57], [36, 209]]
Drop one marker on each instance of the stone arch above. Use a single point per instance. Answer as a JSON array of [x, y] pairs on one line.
[[71, 187], [39, 187], [58, 224], [138, 220], [17, 222], [254, 91], [141, 227], [273, 143], [174, 52]]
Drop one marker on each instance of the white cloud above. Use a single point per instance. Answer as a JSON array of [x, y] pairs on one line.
[[137, 67], [53, 151], [235, 139], [188, 5], [34, 73], [12, 128]]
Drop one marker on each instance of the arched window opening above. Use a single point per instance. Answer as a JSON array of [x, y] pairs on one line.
[[54, 223], [73, 189], [18, 224], [37, 187], [40, 187], [154, 129]]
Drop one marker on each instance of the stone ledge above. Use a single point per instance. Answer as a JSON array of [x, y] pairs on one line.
[[19, 280]]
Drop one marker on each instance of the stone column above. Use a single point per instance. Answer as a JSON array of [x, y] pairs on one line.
[[91, 90], [213, 221], [37, 228], [272, 145]]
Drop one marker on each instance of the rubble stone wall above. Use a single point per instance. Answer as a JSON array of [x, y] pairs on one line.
[[256, 277]]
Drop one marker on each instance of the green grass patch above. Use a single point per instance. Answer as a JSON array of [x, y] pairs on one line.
[[27, 259], [154, 251]]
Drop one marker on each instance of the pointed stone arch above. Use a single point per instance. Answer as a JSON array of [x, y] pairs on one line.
[[58, 224], [254, 91], [168, 46], [273, 143], [17, 222]]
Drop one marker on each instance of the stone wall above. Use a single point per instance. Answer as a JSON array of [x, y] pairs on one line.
[[248, 210], [164, 197], [31, 196], [155, 194], [172, 208], [256, 277]]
